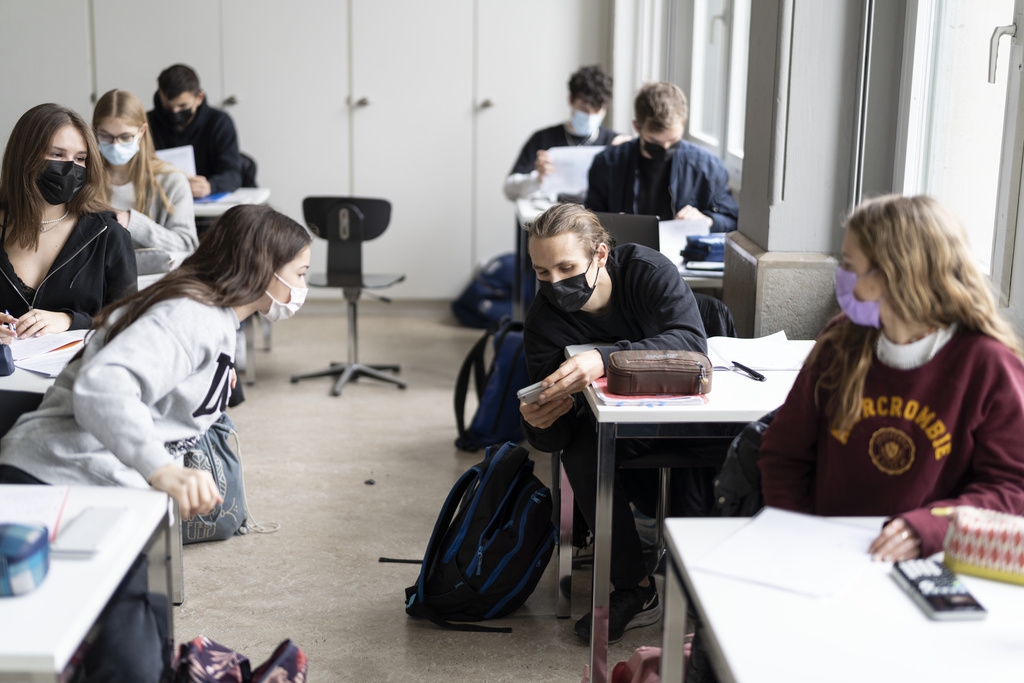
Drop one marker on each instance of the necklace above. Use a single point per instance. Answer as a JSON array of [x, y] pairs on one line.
[[55, 220], [586, 139]]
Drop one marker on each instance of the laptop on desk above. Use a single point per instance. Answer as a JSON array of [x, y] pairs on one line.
[[632, 228]]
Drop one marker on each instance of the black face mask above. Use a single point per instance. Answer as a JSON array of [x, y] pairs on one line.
[[658, 153], [570, 294], [60, 181], [179, 118]]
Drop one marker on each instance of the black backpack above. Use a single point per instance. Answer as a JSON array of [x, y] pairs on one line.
[[490, 545], [497, 415]]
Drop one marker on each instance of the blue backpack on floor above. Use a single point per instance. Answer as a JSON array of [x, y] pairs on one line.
[[488, 297], [497, 415], [490, 545]]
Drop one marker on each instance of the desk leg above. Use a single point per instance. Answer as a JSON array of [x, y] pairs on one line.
[[673, 661], [177, 559], [602, 552], [160, 553]]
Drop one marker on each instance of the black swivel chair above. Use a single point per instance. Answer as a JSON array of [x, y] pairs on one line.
[[347, 222]]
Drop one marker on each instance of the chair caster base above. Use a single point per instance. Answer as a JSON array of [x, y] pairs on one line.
[[350, 372]]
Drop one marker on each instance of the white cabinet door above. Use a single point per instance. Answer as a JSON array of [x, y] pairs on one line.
[[286, 64], [135, 41], [526, 51], [44, 57], [412, 117]]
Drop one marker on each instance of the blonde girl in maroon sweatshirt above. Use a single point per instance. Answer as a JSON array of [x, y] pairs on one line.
[[913, 398]]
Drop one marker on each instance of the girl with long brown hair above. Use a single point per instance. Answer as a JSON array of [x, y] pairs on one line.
[[157, 370], [913, 398], [64, 255], [153, 198]]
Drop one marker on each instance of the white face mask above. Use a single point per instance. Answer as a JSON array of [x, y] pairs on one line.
[[585, 124], [281, 311], [119, 153]]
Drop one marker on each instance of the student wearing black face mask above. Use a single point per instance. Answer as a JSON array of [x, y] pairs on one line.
[[181, 116], [64, 254], [659, 173], [626, 297]]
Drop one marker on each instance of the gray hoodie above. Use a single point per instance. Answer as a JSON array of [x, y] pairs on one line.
[[127, 408]]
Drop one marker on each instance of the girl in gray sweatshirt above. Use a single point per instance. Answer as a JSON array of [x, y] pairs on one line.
[[157, 368]]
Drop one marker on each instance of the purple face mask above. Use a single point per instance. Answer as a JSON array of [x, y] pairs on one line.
[[859, 312]]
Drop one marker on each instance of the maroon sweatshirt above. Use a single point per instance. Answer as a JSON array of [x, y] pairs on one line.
[[950, 432]]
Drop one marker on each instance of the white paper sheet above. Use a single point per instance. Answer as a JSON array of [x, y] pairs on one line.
[[182, 157], [572, 164], [774, 352], [29, 504], [804, 554], [672, 237], [49, 364], [35, 346]]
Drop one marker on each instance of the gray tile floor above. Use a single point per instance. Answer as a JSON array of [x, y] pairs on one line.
[[307, 457]]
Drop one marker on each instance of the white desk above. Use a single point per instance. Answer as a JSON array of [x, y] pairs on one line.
[[21, 392], [243, 195], [734, 398], [871, 631], [41, 630]]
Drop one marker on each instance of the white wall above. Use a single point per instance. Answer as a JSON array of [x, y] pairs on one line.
[[425, 142]]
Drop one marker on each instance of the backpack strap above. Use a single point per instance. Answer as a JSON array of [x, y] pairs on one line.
[[474, 362], [418, 609]]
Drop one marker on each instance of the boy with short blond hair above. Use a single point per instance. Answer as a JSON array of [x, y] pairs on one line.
[[660, 174]]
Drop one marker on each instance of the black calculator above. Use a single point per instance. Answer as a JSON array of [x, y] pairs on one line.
[[937, 590]]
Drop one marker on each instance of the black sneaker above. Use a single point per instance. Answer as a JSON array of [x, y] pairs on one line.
[[627, 608]]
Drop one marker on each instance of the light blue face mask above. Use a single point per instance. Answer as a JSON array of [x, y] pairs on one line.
[[585, 124], [119, 153]]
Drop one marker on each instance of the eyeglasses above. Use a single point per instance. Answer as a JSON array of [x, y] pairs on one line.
[[125, 139]]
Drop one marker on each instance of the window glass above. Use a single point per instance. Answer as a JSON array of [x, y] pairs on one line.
[[707, 82], [738, 76], [961, 135]]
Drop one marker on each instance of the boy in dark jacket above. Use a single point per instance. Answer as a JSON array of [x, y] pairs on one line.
[[660, 174], [180, 116]]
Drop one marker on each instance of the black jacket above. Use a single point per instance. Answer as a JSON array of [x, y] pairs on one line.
[[696, 178], [738, 484], [651, 308], [95, 267], [213, 139]]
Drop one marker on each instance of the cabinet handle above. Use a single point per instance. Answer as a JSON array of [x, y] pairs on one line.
[[993, 47], [362, 102], [486, 104], [231, 100]]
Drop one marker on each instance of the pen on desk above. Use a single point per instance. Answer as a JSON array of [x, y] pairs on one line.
[[753, 374]]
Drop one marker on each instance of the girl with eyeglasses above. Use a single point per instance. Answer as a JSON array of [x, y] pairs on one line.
[[153, 198]]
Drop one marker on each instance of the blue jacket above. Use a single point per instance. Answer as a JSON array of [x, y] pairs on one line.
[[697, 178]]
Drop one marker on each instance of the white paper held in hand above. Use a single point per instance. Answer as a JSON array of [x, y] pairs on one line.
[[572, 166]]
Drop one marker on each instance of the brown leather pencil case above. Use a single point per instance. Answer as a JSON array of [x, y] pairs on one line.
[[632, 373]]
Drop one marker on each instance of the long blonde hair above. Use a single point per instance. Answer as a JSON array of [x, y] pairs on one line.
[[144, 166], [922, 250]]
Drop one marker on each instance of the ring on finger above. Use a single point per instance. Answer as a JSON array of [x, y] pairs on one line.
[[905, 535]]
